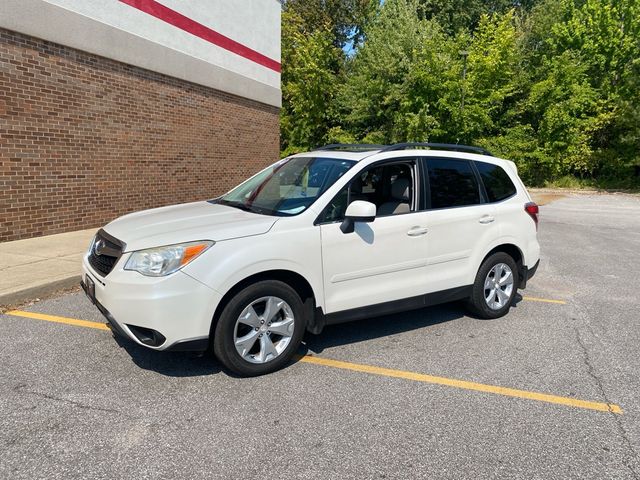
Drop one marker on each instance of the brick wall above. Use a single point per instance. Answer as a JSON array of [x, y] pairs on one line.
[[84, 139]]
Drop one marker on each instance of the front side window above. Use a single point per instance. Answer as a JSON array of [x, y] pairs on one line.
[[389, 187], [496, 182], [452, 183], [287, 187]]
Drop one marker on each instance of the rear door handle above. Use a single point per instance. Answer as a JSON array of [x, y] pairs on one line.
[[486, 219], [417, 231]]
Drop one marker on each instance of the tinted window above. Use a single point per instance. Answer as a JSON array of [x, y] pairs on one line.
[[496, 181], [452, 183]]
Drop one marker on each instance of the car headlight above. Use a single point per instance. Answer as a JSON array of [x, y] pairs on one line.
[[161, 261]]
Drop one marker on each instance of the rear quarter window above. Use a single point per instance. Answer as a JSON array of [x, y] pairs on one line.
[[452, 183], [496, 181]]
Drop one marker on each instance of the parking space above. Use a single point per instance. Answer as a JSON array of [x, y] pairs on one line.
[[549, 391]]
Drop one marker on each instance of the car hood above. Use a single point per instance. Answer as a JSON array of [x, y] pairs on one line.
[[186, 223]]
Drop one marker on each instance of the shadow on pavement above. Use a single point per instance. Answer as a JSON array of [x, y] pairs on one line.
[[363, 330], [516, 300], [189, 364], [171, 364]]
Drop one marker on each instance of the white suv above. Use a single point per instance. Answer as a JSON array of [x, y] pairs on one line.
[[342, 233]]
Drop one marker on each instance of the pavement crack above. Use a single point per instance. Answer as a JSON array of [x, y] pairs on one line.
[[22, 264], [22, 389], [616, 418], [590, 369]]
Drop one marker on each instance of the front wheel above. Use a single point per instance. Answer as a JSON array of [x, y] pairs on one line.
[[260, 329], [495, 286]]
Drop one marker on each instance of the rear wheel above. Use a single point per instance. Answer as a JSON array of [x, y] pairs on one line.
[[260, 329], [495, 286]]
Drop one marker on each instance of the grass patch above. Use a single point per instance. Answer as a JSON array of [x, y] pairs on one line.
[[629, 184]]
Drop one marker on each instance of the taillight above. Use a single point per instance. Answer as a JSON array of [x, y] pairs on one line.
[[532, 209]]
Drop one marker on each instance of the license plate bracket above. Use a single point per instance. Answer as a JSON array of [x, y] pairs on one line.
[[90, 288]]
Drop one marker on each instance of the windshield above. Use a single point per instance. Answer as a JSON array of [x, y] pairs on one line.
[[287, 187]]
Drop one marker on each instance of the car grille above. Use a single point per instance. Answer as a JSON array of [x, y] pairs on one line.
[[105, 252]]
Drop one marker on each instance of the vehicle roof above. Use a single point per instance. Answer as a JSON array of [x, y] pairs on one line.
[[361, 155], [338, 154]]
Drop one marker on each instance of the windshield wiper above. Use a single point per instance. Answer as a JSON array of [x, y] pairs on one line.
[[244, 207]]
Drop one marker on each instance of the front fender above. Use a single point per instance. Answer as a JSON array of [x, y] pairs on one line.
[[228, 263]]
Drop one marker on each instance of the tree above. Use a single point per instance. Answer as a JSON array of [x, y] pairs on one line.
[[604, 33], [375, 88], [310, 78], [552, 84], [345, 18], [406, 82], [494, 78], [570, 112], [465, 15], [578, 116]]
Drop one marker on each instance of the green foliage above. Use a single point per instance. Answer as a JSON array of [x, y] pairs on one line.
[[457, 15], [493, 81], [345, 18], [569, 112], [553, 85], [581, 102], [310, 80], [605, 33], [372, 98], [626, 183]]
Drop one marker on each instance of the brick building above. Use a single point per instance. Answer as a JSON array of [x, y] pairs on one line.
[[111, 106]]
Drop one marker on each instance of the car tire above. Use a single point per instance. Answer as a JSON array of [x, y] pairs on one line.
[[245, 317], [486, 301]]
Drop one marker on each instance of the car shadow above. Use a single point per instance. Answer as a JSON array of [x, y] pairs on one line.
[[190, 364], [170, 364], [376, 327], [516, 300]]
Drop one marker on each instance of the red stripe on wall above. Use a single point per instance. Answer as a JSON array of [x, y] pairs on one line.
[[178, 20]]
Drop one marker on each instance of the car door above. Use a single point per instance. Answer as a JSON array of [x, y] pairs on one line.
[[381, 261], [459, 222]]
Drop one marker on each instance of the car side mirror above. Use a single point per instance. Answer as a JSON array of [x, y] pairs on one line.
[[358, 211]]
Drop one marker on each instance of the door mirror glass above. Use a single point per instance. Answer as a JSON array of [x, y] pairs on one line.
[[358, 211]]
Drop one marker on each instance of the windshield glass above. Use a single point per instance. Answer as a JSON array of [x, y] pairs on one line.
[[287, 187]]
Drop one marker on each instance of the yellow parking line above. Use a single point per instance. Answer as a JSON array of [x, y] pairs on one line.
[[545, 300], [387, 372], [450, 382], [65, 320]]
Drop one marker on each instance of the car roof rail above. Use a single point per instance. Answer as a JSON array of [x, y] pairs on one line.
[[353, 147], [438, 146]]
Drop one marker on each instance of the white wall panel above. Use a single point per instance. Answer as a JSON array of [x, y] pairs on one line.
[[116, 30]]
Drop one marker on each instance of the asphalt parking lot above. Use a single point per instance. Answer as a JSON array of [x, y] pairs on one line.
[[550, 391]]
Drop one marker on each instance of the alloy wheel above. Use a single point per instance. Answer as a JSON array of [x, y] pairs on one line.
[[498, 286], [264, 329]]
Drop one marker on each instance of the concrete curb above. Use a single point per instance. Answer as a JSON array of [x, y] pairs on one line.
[[31, 293], [38, 267]]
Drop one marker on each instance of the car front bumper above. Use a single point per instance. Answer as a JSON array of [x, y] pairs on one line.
[[161, 313]]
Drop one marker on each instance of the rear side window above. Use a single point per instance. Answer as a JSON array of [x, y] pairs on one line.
[[496, 181], [452, 183]]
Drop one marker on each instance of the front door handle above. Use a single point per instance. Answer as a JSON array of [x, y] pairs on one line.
[[486, 219], [417, 231]]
